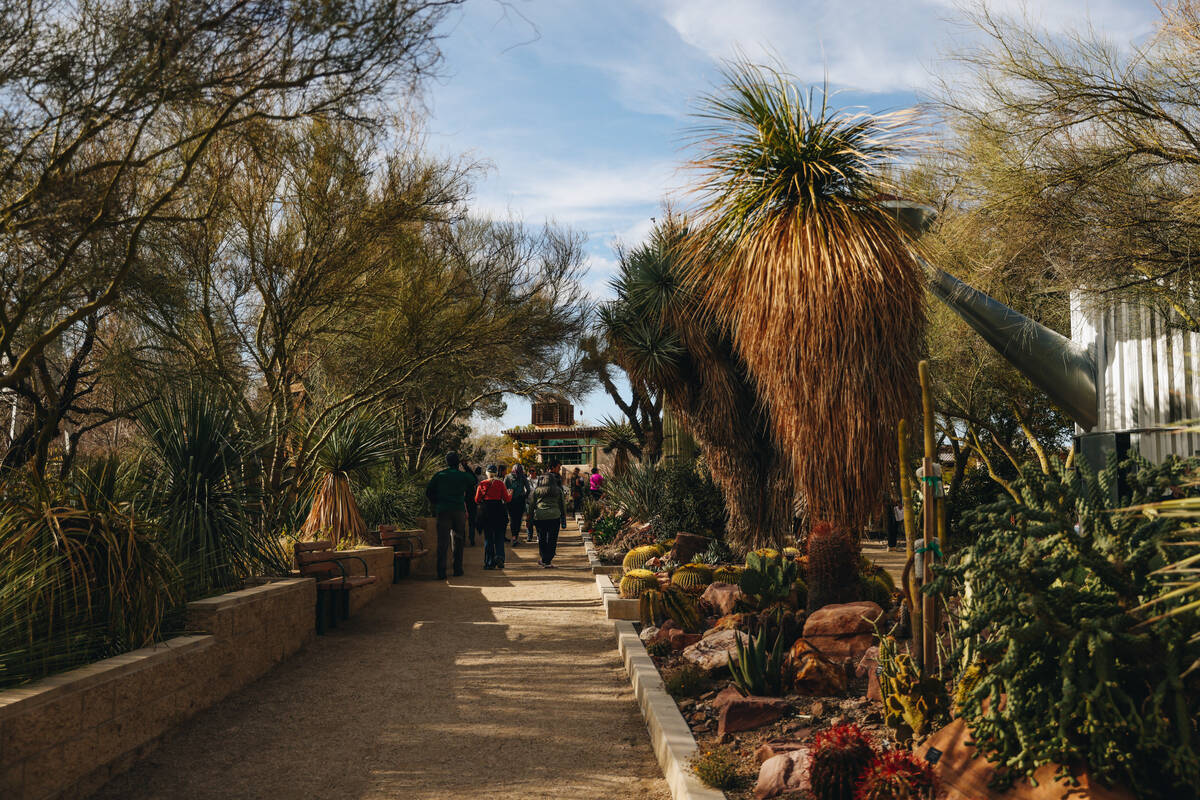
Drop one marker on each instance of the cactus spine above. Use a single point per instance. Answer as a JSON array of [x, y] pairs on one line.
[[637, 581], [832, 562], [727, 574], [840, 756], [638, 556], [895, 775], [692, 577]]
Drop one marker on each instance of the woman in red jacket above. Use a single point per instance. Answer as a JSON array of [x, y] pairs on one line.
[[492, 497]]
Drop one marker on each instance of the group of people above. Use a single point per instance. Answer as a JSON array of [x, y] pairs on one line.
[[495, 501]]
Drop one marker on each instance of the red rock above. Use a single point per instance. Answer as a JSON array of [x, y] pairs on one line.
[[843, 648], [787, 772], [843, 619], [817, 709], [687, 545], [809, 672], [774, 747], [868, 665], [722, 596], [680, 640], [748, 713], [726, 696], [664, 632]]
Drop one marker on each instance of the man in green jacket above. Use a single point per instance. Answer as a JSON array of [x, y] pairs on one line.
[[447, 492]]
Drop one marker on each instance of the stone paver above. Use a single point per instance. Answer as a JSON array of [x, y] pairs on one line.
[[495, 685]]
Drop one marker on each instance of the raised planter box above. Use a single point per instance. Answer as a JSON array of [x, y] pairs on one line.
[[66, 735]]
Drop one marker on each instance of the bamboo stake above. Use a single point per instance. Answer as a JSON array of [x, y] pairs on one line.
[[910, 537], [929, 507]]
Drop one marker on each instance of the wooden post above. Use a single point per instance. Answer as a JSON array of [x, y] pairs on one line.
[[910, 538], [929, 507]]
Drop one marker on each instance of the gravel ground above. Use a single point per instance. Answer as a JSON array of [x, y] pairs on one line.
[[501, 684]]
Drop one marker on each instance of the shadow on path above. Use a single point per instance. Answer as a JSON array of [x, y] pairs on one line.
[[501, 684]]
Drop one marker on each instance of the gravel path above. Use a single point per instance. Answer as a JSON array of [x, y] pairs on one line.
[[494, 685]]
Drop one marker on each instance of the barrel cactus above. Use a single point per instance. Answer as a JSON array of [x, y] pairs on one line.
[[895, 775], [840, 756], [692, 577], [727, 574], [791, 553], [636, 581], [766, 552], [638, 556]]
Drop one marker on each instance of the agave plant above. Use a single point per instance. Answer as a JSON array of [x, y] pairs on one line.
[[810, 275], [348, 450]]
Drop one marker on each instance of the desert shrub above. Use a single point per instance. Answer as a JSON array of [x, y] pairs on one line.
[[1058, 624], [679, 491], [605, 528], [717, 768], [687, 681], [389, 500]]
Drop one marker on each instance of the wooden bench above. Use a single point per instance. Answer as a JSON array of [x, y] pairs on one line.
[[320, 561], [406, 545]]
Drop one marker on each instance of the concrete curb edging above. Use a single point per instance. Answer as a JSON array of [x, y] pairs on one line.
[[672, 739], [615, 606]]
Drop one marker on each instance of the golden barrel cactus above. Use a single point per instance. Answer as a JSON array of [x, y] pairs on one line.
[[637, 581], [638, 556]]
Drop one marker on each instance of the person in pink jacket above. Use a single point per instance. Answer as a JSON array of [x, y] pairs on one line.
[[595, 481]]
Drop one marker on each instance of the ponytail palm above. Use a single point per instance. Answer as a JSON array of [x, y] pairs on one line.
[[349, 449], [812, 278]]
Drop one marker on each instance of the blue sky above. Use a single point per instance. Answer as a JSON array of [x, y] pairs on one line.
[[581, 107]]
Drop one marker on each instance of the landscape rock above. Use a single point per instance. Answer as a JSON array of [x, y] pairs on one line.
[[809, 672], [713, 654], [868, 665], [843, 619], [680, 640], [648, 633], [730, 622], [775, 747], [844, 631], [723, 597], [725, 697], [748, 713], [784, 773], [687, 545]]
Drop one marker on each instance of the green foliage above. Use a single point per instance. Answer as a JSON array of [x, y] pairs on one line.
[[717, 768], [592, 509], [757, 670], [636, 581], [874, 589], [679, 491], [840, 756], [913, 707], [1056, 583], [199, 489], [767, 578], [81, 578], [673, 603], [389, 500], [687, 681], [605, 528]]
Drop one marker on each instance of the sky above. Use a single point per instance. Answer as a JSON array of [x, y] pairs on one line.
[[581, 108]]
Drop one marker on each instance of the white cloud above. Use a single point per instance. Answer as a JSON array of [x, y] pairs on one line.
[[872, 45]]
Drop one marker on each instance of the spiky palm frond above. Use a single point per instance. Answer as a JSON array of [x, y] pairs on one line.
[[618, 436], [355, 444], [812, 278]]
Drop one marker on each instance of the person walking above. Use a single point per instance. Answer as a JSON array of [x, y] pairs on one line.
[[895, 524], [448, 492], [519, 486], [546, 508], [493, 497], [576, 490], [472, 510], [556, 473], [595, 484]]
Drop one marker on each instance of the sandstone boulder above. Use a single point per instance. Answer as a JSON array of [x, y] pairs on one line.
[[868, 665], [844, 631], [713, 654], [775, 747], [748, 713], [809, 672], [648, 633], [739, 622], [723, 597], [786, 773], [679, 640]]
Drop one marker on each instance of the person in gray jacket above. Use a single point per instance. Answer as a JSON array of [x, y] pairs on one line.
[[547, 506]]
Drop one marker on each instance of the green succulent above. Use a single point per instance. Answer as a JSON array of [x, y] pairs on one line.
[[768, 577], [639, 556], [727, 574], [692, 577], [637, 581]]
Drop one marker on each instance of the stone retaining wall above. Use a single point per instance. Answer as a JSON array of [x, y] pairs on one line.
[[66, 735]]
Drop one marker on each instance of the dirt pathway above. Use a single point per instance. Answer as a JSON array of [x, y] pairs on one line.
[[494, 685]]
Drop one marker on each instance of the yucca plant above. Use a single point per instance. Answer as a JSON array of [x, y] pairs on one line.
[[199, 489], [349, 450], [811, 277]]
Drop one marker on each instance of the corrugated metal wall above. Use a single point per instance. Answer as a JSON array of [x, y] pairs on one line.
[[1148, 372]]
